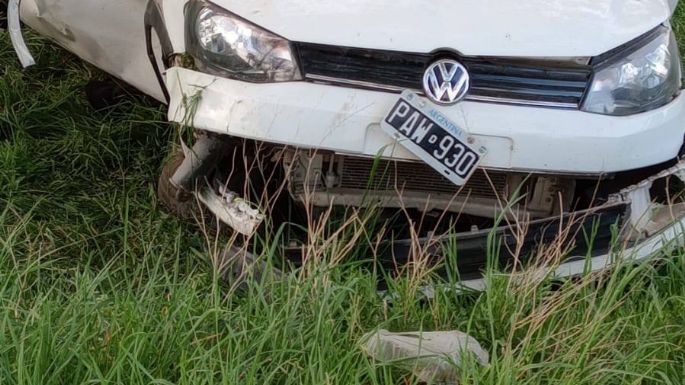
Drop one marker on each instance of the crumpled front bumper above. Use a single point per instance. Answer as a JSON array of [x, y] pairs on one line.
[[630, 225], [347, 120]]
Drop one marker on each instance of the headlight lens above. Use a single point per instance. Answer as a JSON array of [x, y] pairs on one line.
[[647, 78], [225, 44]]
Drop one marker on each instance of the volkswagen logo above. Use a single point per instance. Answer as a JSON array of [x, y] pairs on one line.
[[446, 82]]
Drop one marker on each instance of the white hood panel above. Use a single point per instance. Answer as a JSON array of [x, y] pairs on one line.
[[530, 28]]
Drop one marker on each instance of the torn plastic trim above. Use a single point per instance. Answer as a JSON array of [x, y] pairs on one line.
[[199, 160], [670, 237], [511, 246], [649, 228], [231, 209], [14, 28], [433, 357], [191, 177], [644, 215]]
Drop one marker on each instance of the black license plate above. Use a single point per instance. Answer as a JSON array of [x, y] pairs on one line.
[[428, 134]]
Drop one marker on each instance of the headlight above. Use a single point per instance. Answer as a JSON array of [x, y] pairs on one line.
[[226, 45], [647, 77]]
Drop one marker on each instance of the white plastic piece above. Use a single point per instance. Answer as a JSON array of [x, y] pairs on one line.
[[14, 28], [434, 357], [673, 4], [237, 265], [641, 207], [231, 210]]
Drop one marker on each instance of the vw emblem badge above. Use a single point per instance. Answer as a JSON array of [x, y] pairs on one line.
[[446, 82]]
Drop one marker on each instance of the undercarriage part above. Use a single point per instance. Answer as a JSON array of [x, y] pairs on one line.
[[179, 202], [326, 179], [200, 160], [551, 195], [230, 209], [102, 94], [585, 232], [14, 27], [189, 176]]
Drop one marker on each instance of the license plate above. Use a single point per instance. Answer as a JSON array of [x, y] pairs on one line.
[[432, 137]]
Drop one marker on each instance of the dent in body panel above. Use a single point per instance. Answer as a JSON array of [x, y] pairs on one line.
[[45, 11], [51, 18], [108, 34], [50, 24]]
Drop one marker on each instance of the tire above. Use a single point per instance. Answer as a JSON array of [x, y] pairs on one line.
[[179, 203]]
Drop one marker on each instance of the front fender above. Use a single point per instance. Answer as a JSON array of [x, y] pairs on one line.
[[155, 24], [154, 21], [164, 18], [172, 16]]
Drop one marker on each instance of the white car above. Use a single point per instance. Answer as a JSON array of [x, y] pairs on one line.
[[573, 107]]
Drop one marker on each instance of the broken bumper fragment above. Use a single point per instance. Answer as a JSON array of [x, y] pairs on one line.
[[634, 225], [14, 28]]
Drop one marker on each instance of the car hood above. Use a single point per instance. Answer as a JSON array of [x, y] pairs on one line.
[[530, 28]]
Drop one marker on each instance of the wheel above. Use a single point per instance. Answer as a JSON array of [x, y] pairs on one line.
[[179, 203]]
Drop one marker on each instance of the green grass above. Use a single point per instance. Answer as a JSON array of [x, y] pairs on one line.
[[99, 285]]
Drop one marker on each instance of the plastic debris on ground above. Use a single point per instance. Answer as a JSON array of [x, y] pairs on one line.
[[433, 357]]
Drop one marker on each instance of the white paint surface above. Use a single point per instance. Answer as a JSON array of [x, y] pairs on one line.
[[472, 27], [108, 34], [347, 120]]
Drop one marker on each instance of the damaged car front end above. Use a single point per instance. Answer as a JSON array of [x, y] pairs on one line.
[[567, 117]]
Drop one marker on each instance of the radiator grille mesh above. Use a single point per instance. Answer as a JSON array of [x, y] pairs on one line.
[[363, 174]]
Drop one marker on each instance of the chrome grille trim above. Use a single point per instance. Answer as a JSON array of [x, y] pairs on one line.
[[494, 80], [474, 98], [357, 83], [517, 102]]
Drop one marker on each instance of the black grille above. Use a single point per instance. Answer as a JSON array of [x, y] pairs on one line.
[[492, 79], [363, 173]]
